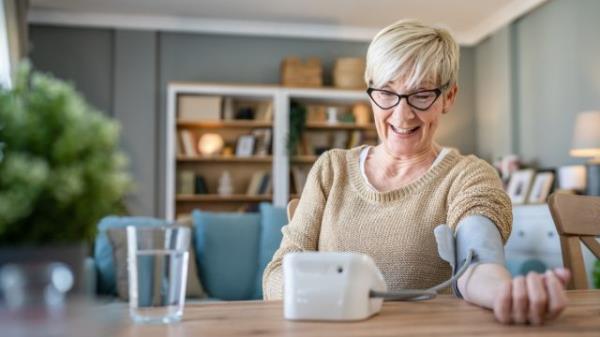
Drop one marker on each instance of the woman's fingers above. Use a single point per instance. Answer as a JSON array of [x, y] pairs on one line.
[[557, 297], [564, 275], [538, 298], [520, 301], [503, 303]]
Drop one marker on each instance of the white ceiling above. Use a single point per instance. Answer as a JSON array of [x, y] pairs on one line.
[[469, 20]]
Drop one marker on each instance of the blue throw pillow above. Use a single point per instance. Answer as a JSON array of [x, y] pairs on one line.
[[227, 253], [103, 252], [272, 219]]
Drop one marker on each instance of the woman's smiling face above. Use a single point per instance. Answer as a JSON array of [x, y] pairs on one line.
[[405, 131]]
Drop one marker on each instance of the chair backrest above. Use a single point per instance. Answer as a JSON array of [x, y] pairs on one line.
[[291, 208], [576, 218]]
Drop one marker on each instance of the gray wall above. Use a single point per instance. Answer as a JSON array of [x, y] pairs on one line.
[[559, 61], [82, 56], [457, 128], [125, 74], [493, 97], [549, 59], [135, 92]]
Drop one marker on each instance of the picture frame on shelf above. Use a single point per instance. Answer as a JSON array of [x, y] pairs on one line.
[[245, 146], [262, 141], [541, 187], [519, 185]]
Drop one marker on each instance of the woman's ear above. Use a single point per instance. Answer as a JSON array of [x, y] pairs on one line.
[[449, 97]]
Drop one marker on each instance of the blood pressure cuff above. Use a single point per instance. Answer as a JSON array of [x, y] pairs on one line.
[[480, 234]]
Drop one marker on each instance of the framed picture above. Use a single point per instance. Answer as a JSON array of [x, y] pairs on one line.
[[542, 184], [519, 184], [263, 141], [245, 146]]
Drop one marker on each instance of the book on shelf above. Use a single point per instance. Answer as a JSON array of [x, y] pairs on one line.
[[228, 108], [188, 140], [263, 141], [200, 185], [356, 137], [194, 108], [305, 146], [340, 139], [179, 149], [185, 182], [264, 111], [265, 184], [299, 177], [260, 183]]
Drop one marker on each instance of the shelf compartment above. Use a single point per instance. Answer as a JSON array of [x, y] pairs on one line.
[[220, 160], [338, 126], [234, 198], [305, 159], [235, 124]]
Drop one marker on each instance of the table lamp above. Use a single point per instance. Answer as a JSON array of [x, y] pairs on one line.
[[210, 144], [586, 143]]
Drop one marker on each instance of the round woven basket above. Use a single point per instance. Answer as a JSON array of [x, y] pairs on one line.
[[348, 73]]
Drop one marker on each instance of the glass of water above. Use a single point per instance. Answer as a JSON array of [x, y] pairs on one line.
[[157, 259]]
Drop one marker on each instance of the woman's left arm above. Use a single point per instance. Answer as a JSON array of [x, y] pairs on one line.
[[532, 299]]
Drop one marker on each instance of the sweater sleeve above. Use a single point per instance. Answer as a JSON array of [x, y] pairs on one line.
[[302, 233], [478, 191]]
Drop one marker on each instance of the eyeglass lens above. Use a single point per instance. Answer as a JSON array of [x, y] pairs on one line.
[[420, 100]]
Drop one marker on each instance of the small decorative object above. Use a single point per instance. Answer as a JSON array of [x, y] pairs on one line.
[[362, 113], [586, 143], [245, 113], [210, 144], [541, 187], [295, 73], [332, 115], [508, 165], [225, 184], [571, 177], [348, 73], [518, 187], [227, 151], [245, 146]]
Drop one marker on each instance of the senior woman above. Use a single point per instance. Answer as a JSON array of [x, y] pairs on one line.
[[386, 200]]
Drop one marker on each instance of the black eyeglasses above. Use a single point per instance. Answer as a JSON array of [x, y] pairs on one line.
[[420, 100]]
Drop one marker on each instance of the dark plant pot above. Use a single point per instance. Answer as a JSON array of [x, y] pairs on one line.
[[71, 255]]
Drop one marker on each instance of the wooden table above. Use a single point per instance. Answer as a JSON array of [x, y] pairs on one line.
[[441, 317]]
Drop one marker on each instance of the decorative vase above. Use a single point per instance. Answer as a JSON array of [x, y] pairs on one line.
[[225, 184]]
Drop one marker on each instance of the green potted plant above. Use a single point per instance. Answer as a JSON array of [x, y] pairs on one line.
[[60, 167]]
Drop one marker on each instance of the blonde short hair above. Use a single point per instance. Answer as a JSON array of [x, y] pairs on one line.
[[414, 51]]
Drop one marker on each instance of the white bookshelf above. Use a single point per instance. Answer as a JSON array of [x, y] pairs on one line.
[[280, 98]]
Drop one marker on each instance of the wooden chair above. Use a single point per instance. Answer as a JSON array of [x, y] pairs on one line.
[[576, 218], [291, 208]]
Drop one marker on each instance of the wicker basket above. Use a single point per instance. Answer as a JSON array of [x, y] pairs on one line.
[[348, 73], [295, 73]]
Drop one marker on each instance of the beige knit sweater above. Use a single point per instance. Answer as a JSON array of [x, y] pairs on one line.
[[339, 212]]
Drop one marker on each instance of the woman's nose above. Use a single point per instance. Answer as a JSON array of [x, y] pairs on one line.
[[403, 111]]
